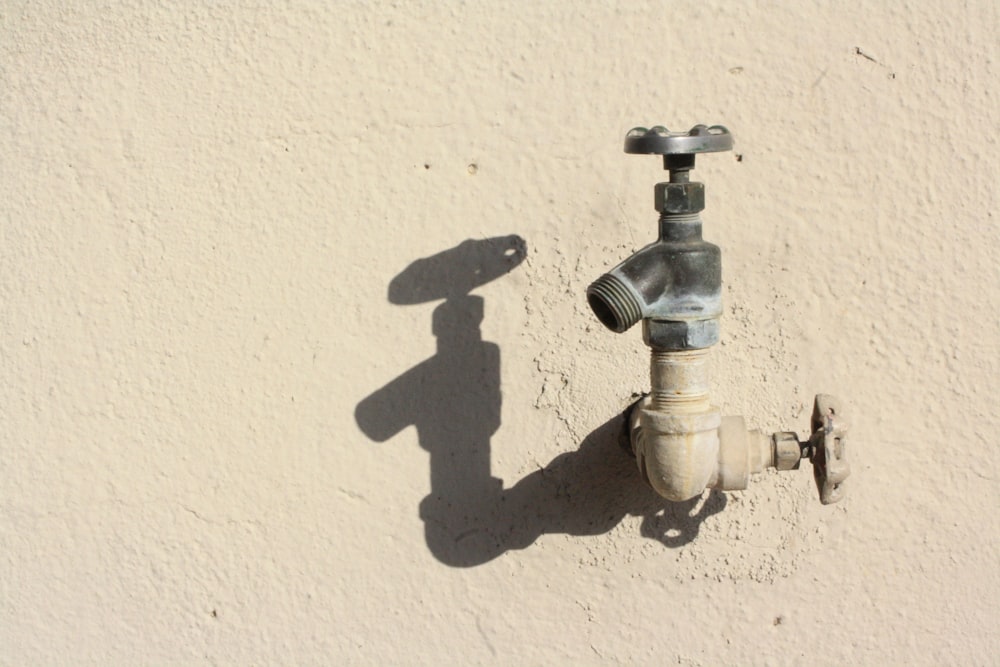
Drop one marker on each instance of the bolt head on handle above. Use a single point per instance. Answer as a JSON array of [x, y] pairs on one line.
[[661, 141]]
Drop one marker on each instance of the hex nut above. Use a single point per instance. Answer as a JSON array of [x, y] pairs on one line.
[[680, 335], [679, 197], [786, 450]]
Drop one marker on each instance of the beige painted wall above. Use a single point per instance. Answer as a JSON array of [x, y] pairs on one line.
[[203, 210]]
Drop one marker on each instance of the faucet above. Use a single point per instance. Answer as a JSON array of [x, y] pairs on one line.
[[681, 442]]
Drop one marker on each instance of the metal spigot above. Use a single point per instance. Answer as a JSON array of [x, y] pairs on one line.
[[681, 442]]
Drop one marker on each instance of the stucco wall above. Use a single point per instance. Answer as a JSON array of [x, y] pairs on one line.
[[242, 423]]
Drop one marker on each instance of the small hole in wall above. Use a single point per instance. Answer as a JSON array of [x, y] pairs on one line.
[[473, 168], [426, 166]]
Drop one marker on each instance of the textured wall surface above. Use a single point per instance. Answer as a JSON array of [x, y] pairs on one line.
[[296, 364]]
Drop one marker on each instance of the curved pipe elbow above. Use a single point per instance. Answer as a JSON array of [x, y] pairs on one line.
[[677, 454], [679, 468], [681, 455]]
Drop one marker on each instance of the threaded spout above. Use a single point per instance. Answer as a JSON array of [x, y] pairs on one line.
[[614, 303]]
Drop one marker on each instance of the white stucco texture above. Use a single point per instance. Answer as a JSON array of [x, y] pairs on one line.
[[296, 363]]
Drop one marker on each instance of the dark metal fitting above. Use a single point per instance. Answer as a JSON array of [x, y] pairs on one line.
[[673, 281], [679, 197], [675, 284], [680, 335]]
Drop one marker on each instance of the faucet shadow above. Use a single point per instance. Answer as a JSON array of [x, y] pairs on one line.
[[454, 401]]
